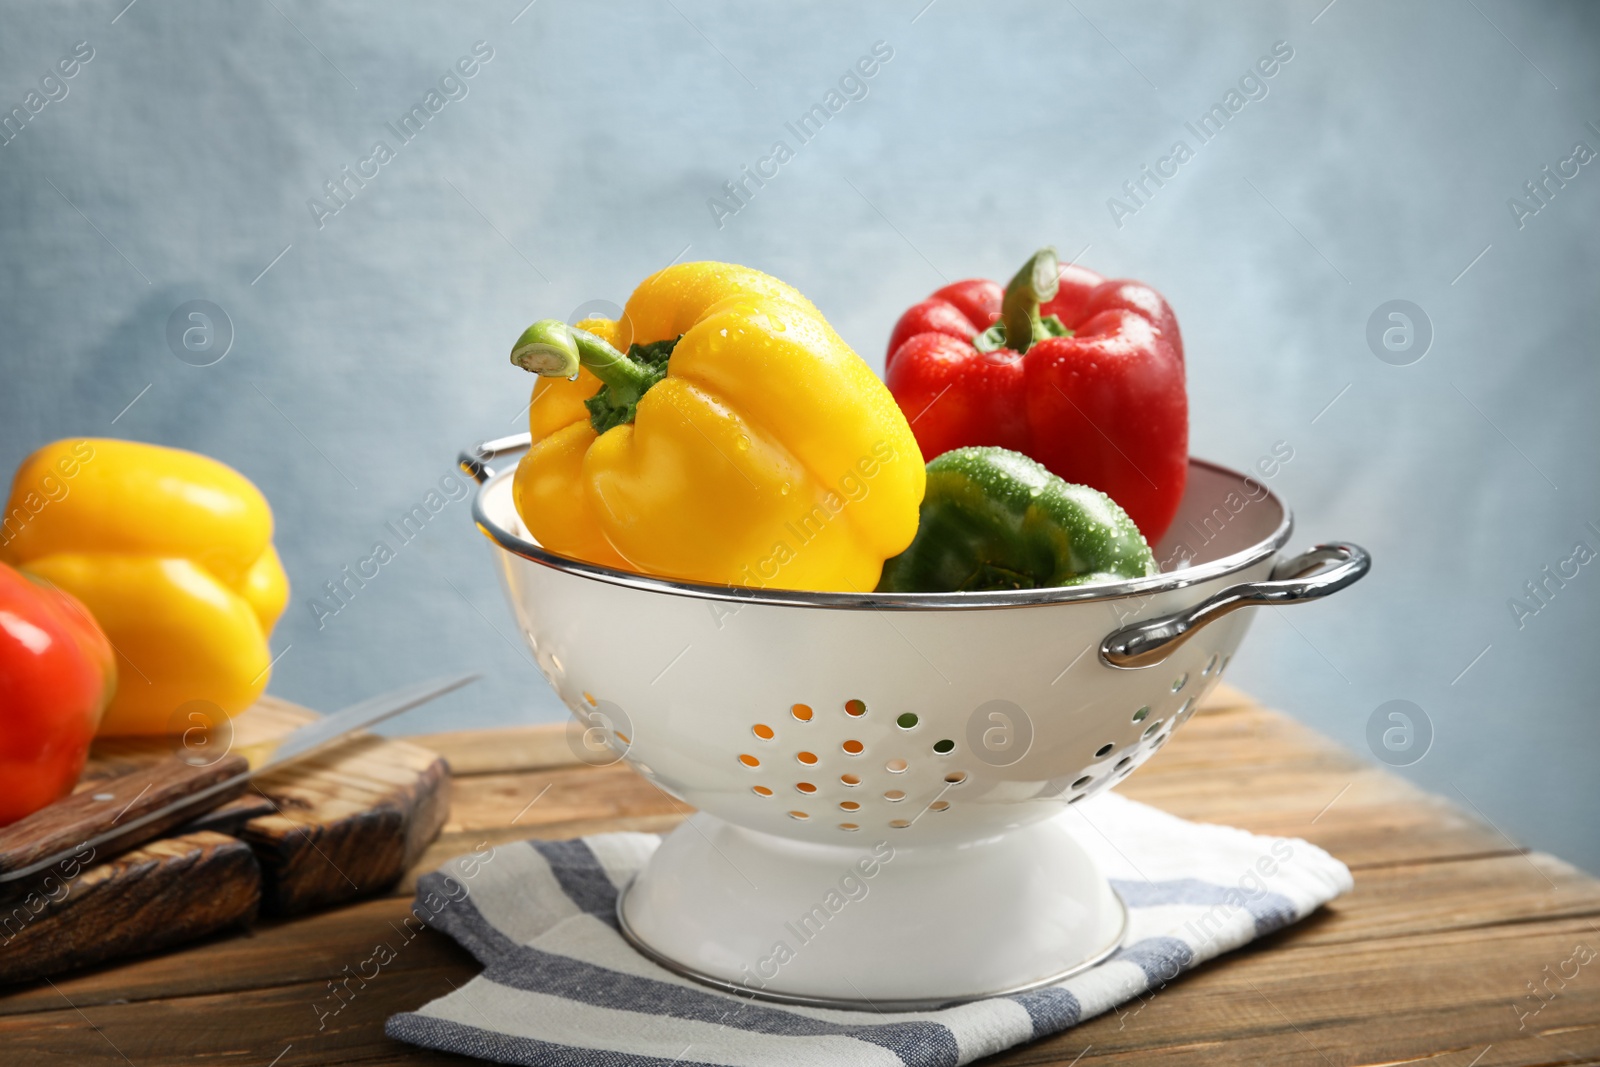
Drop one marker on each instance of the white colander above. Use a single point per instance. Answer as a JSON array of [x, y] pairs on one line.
[[882, 780]]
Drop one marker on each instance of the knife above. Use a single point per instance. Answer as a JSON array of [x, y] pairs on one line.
[[118, 813]]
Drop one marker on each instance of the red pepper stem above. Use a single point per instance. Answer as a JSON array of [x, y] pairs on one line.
[[1036, 283], [555, 350]]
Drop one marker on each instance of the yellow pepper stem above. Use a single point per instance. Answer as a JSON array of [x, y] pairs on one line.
[[552, 349]]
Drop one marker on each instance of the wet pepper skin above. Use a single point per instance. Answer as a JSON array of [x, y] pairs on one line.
[[768, 455], [172, 553], [994, 519], [1104, 407]]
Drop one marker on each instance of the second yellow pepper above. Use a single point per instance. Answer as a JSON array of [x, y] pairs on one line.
[[739, 441], [172, 554]]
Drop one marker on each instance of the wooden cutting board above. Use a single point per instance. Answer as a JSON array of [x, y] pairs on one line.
[[342, 824]]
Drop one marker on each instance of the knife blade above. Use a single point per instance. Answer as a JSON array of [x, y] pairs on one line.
[[118, 813]]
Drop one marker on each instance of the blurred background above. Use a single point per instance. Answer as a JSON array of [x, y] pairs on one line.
[[359, 329]]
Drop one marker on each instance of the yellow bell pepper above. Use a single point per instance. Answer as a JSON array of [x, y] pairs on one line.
[[172, 554], [764, 454]]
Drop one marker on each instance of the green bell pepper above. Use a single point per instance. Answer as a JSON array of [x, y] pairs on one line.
[[995, 519]]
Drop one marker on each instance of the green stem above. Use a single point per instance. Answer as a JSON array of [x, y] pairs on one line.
[[1036, 283], [553, 349]]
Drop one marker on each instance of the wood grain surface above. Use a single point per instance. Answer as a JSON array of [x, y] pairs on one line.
[[347, 822], [340, 824], [1432, 959], [167, 893], [124, 809]]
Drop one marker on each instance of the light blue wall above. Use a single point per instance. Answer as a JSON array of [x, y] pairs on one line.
[[1378, 166]]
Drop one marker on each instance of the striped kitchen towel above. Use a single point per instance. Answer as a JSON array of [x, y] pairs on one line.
[[560, 986]]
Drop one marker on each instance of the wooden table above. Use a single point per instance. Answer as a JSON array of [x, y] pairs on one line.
[[1432, 958]]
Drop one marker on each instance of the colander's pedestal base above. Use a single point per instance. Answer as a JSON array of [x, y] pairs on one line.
[[873, 925]]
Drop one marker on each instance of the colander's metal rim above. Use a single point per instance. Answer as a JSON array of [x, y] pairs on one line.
[[860, 1004], [874, 601]]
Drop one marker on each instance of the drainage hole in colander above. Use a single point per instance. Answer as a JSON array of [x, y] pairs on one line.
[[894, 796], [853, 748], [1179, 682], [1139, 715], [1104, 750], [899, 824], [808, 758], [945, 747], [749, 760], [1159, 742], [849, 779], [939, 805], [855, 708], [1077, 798], [906, 721], [805, 787], [1225, 661], [1187, 709], [1123, 762], [761, 791], [1210, 667], [798, 815], [763, 731], [849, 805], [1152, 728], [956, 777], [802, 712], [1081, 782], [896, 766], [593, 703], [848, 826]]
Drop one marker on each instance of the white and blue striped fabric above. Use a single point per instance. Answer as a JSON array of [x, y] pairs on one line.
[[561, 987]]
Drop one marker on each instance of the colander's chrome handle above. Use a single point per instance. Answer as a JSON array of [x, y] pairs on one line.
[[1324, 570], [475, 460]]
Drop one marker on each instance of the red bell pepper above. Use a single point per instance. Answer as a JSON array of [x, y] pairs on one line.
[[57, 673], [1083, 374]]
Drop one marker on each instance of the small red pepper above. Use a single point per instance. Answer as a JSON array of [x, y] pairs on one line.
[[1083, 374], [57, 673]]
